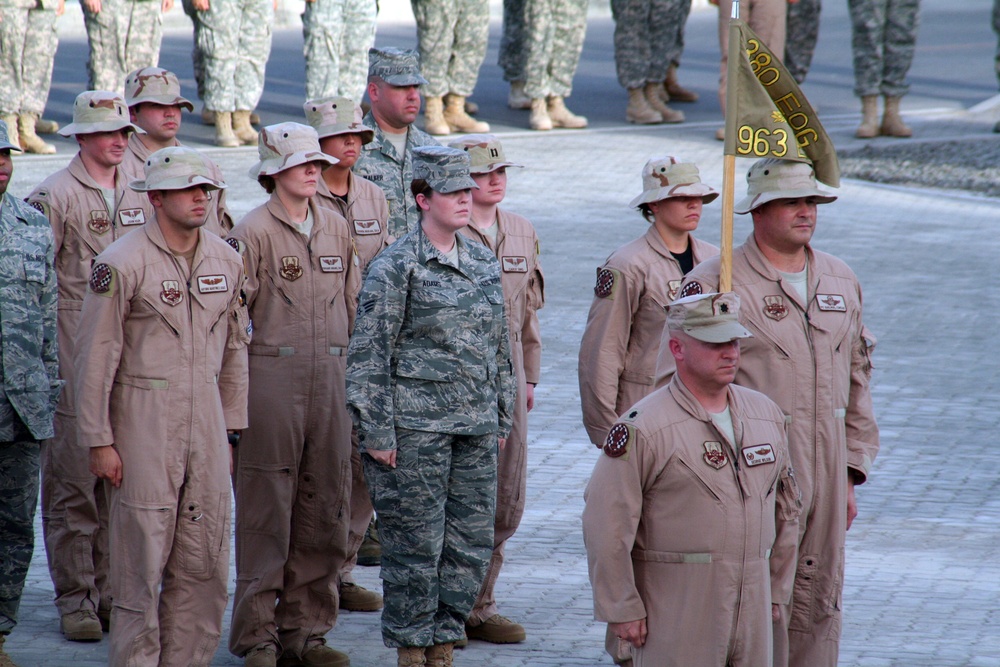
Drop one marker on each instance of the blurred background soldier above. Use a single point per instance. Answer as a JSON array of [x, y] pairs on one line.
[[124, 35], [29, 381], [801, 33], [996, 58], [338, 34], [28, 41], [552, 40], [235, 39], [511, 55]]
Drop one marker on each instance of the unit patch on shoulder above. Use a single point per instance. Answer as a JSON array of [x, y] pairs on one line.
[[331, 264], [831, 302], [607, 283], [619, 440], [367, 227], [514, 264], [40, 207], [235, 244], [102, 280], [208, 284], [756, 455], [692, 288], [715, 455]]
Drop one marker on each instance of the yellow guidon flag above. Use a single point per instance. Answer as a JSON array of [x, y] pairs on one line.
[[767, 114]]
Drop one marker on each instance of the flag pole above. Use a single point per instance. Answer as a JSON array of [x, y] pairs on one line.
[[729, 158]]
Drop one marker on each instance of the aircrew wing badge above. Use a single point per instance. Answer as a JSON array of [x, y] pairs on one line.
[[715, 455], [619, 440], [514, 264], [756, 455], [831, 302]]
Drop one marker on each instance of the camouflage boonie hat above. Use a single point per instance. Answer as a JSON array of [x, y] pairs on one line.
[[5, 139], [331, 116], [711, 317], [667, 177], [99, 111], [445, 169], [176, 168], [154, 85], [287, 145], [397, 67], [485, 153], [771, 178]]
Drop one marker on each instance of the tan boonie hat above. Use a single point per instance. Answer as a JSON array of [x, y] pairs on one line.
[[771, 178], [712, 317], [287, 145], [445, 169], [331, 116], [176, 168], [485, 152], [154, 85], [667, 177], [99, 111], [5, 139], [397, 67]]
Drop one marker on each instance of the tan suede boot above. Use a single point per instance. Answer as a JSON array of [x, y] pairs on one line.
[[30, 141], [207, 116], [411, 656], [243, 129], [639, 110], [675, 90], [563, 117], [434, 122], [441, 655], [540, 115], [45, 126], [518, 99], [892, 123], [869, 118], [458, 120], [657, 98], [224, 135]]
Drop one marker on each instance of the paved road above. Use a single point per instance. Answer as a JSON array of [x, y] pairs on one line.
[[923, 574]]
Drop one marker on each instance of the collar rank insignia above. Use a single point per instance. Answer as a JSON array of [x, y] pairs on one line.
[[831, 302], [774, 307], [715, 456], [692, 288], [331, 264], [131, 216], [756, 455], [171, 294], [619, 441], [514, 264], [672, 287], [290, 268], [99, 222], [367, 227], [208, 284]]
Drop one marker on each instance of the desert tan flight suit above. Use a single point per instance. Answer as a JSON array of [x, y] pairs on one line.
[[162, 374], [618, 350], [814, 360], [523, 285], [74, 504], [293, 475], [683, 528], [219, 221]]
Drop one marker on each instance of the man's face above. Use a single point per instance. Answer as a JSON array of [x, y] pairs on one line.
[[785, 225], [182, 209], [107, 149], [710, 364], [161, 122], [396, 106], [6, 169]]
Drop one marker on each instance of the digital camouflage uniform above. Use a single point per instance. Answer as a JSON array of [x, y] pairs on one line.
[[125, 35], [884, 37], [996, 29], [552, 41], [511, 53], [801, 33], [451, 38], [28, 42], [338, 34], [197, 55], [235, 39], [649, 37]]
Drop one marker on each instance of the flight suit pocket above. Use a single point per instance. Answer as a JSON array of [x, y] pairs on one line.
[[200, 533], [138, 547], [804, 594]]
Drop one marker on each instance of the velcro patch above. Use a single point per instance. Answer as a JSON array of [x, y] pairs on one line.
[[367, 227], [692, 288], [331, 264], [607, 283], [619, 440], [756, 455], [514, 264], [131, 216], [831, 302], [102, 280], [208, 284]]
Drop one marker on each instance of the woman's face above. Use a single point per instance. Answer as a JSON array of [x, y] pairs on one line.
[[448, 211], [492, 187], [298, 182], [679, 214]]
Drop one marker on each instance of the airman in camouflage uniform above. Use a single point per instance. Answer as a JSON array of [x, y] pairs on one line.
[[29, 379], [431, 387], [124, 35], [390, 70], [338, 34], [801, 33]]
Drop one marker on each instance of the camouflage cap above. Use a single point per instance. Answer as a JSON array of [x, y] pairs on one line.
[[711, 317], [287, 145], [99, 111], [770, 178], [668, 177], [397, 67], [5, 139], [154, 85], [445, 169], [176, 168], [331, 116], [485, 152]]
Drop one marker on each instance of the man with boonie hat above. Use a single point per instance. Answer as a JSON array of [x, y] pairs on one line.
[[89, 205], [805, 307], [394, 82], [153, 95], [154, 416], [293, 472], [694, 498], [514, 242]]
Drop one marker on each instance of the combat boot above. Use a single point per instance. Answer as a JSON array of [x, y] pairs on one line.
[[30, 141], [459, 121], [675, 90], [370, 552], [496, 629], [563, 117], [10, 120], [5, 660], [441, 655], [869, 118], [320, 655], [639, 111], [518, 99], [358, 598], [81, 625], [207, 116], [243, 129], [471, 107], [224, 135], [540, 115], [434, 122], [657, 98], [411, 656], [892, 123], [45, 126], [262, 655]]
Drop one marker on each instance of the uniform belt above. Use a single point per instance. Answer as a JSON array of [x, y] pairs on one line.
[[338, 351], [275, 351], [515, 337], [670, 556]]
